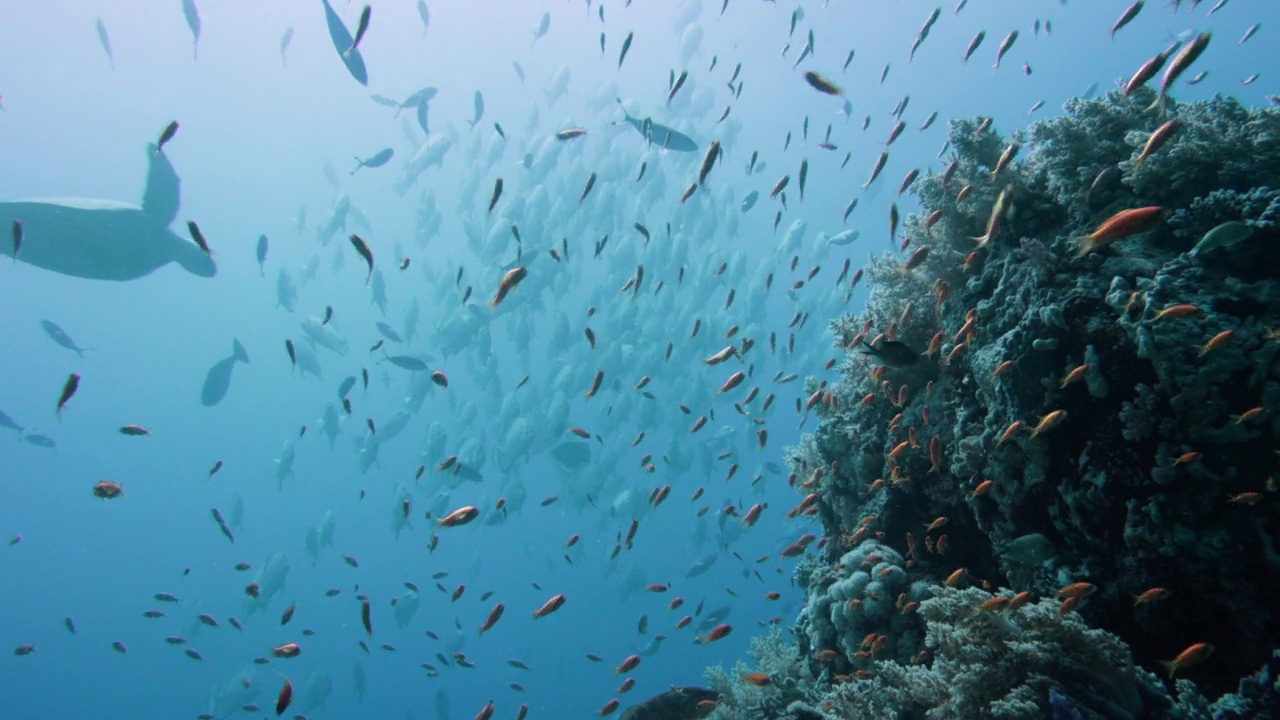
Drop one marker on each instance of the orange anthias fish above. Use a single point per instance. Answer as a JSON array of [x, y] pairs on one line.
[[1193, 655], [509, 282], [718, 632], [461, 516], [1123, 224], [549, 606]]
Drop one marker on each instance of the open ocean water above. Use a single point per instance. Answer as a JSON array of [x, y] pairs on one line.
[[511, 312]]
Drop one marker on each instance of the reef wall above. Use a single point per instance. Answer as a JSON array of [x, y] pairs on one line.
[[1086, 421]]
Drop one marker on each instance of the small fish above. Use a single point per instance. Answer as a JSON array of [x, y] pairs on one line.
[[361, 28], [192, 15], [378, 159], [478, 110], [509, 281], [105, 42], [1126, 17], [60, 336], [284, 698], [497, 193], [261, 254], [823, 85], [1005, 46], [198, 237], [626, 46], [425, 15], [363, 249], [68, 390], [974, 43], [166, 135], [679, 83], [708, 161]]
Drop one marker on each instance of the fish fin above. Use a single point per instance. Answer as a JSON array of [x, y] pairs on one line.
[[1087, 245], [161, 196], [238, 351]]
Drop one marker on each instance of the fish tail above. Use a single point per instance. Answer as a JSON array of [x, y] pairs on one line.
[[1171, 666], [1087, 245], [1158, 105]]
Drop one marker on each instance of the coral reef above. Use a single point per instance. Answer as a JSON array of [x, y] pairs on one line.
[[1101, 411], [1029, 662]]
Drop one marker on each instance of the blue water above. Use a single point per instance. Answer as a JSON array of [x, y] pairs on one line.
[[255, 136]]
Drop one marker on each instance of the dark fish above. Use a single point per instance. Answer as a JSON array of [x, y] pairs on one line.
[[378, 159], [59, 336], [328, 315], [68, 390], [679, 83], [497, 193], [362, 247], [364, 616], [222, 525], [216, 467], [17, 238], [166, 135], [284, 698], [361, 28], [591, 182], [678, 703], [626, 46], [293, 356], [262, 254], [821, 84], [198, 237], [708, 161], [892, 353], [345, 386]]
